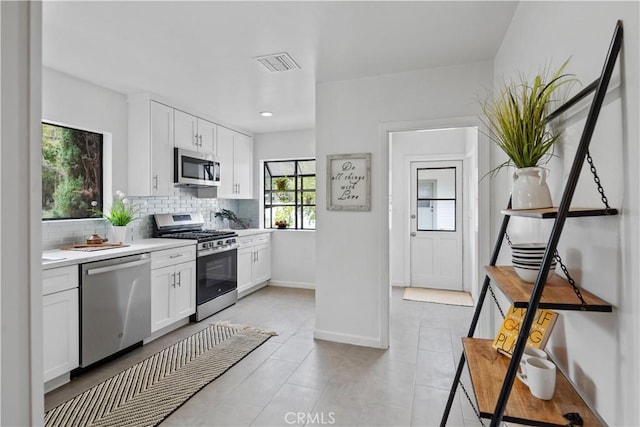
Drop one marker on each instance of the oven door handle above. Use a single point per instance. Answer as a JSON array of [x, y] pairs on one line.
[[212, 251]]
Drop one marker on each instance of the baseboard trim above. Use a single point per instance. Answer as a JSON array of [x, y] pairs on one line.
[[56, 382], [347, 339], [285, 284], [244, 292]]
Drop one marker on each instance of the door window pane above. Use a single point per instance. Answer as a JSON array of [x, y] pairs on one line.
[[436, 199]]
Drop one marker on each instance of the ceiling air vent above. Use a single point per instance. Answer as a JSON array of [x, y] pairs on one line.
[[278, 62]]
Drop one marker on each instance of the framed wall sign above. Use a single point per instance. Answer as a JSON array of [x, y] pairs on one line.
[[349, 182]]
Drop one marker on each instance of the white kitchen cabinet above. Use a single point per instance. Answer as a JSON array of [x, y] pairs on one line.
[[151, 128], [243, 165], [60, 315], [245, 268], [254, 262], [235, 151], [208, 135], [262, 264], [194, 133], [173, 286], [186, 130]]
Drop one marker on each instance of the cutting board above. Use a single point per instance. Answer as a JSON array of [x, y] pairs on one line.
[[95, 247]]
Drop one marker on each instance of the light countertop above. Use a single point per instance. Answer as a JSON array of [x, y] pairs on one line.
[[63, 258], [252, 231]]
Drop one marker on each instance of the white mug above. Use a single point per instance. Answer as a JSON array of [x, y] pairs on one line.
[[530, 352], [541, 377]]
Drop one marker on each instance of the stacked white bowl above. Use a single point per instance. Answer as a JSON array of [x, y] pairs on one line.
[[527, 258]]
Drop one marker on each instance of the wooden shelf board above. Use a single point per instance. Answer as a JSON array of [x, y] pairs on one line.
[[488, 369], [557, 294], [546, 213]]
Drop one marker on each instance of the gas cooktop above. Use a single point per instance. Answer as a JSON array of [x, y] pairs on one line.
[[187, 226], [200, 236]]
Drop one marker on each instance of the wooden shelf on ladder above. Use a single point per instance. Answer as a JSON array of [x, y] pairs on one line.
[[498, 394]]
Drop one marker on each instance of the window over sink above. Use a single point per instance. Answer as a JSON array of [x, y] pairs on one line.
[[72, 175], [290, 194]]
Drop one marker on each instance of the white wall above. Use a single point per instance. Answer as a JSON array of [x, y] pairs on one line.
[[21, 390], [599, 351], [438, 145], [293, 252], [78, 103], [352, 248]]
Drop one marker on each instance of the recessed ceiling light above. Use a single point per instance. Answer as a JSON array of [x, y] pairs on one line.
[[266, 113]]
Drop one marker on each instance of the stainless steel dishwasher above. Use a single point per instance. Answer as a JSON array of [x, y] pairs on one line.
[[115, 306]]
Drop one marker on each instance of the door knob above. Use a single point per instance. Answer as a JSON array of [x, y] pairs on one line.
[[413, 234]]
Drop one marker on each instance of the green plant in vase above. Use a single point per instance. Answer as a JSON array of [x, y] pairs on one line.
[[121, 212], [517, 121]]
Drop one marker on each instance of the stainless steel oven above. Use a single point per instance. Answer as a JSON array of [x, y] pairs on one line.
[[217, 277]]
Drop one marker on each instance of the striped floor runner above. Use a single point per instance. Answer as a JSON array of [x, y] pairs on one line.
[[146, 393]]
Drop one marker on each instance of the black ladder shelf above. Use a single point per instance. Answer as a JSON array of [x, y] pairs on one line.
[[493, 374]]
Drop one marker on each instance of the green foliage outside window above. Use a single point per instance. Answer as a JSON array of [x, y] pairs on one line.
[[71, 172]]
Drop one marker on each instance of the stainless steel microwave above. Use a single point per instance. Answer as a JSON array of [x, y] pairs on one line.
[[195, 169]]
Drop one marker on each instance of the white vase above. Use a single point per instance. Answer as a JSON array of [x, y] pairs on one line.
[[119, 234], [530, 189]]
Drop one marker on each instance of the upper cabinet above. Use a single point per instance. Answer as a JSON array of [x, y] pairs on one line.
[[208, 136], [194, 133], [235, 151], [150, 149], [156, 128]]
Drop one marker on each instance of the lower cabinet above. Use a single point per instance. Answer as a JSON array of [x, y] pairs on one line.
[[254, 262], [60, 317], [173, 286]]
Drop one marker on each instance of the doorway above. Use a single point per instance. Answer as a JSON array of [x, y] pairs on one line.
[[434, 141], [436, 229]]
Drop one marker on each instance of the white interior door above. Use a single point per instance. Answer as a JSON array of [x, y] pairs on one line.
[[436, 225]]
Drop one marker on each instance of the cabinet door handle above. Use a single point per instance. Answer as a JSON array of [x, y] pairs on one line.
[[180, 278], [200, 137], [155, 182], [176, 256], [173, 283]]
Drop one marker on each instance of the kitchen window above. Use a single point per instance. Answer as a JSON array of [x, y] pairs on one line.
[[290, 194], [71, 172]]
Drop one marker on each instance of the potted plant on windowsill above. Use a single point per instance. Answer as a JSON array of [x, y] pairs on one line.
[[517, 121], [121, 213], [281, 224]]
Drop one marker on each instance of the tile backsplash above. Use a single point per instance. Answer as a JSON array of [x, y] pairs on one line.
[[58, 233]]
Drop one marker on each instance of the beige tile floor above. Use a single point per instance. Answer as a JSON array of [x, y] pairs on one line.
[[293, 379]]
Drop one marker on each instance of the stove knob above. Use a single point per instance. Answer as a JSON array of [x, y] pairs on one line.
[[220, 243]]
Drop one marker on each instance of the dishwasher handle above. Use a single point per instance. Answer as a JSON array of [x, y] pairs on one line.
[[115, 267]]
